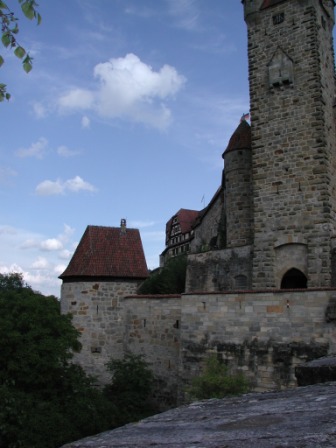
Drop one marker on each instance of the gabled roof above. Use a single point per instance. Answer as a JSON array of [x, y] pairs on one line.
[[240, 139], [108, 252], [185, 218]]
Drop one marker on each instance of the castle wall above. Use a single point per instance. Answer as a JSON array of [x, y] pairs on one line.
[[112, 323], [152, 328], [220, 270], [262, 334], [206, 234], [98, 313]]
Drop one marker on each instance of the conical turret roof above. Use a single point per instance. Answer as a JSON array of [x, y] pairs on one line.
[[240, 139]]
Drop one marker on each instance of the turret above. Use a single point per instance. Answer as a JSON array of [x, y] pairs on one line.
[[238, 184]]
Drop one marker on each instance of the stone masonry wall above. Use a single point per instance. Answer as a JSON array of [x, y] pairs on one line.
[[206, 234], [98, 313], [112, 323], [291, 76], [262, 334], [220, 270], [238, 197], [152, 328]]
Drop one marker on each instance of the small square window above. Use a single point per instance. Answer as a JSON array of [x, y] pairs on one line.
[[278, 18]]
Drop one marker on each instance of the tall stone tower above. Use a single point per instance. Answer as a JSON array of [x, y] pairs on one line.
[[292, 93]]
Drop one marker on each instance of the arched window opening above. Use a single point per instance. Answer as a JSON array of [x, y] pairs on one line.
[[294, 279], [240, 282]]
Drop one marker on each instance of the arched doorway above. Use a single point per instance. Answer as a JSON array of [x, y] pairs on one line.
[[294, 279]]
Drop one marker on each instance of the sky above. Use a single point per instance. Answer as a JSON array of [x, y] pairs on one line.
[[125, 114]]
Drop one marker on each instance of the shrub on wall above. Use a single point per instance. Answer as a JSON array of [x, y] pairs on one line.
[[168, 280], [216, 382], [130, 389]]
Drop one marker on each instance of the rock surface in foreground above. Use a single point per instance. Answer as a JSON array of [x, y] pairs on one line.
[[319, 370], [301, 417]]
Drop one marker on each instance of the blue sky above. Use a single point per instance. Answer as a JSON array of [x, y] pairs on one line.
[[125, 114]]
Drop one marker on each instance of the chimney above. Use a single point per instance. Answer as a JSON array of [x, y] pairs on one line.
[[123, 226]]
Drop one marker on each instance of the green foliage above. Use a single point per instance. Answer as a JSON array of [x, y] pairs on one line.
[[12, 281], [216, 382], [10, 29], [131, 387], [45, 400], [168, 280]]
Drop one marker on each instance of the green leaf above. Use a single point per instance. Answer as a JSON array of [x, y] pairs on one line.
[[15, 30], [3, 5], [28, 10], [1, 60], [27, 66], [5, 39], [19, 52], [8, 96], [39, 18]]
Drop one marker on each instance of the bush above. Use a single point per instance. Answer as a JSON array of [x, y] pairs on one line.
[[45, 400], [131, 388], [216, 382], [168, 280]]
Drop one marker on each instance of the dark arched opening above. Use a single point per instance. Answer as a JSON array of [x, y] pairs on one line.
[[294, 279]]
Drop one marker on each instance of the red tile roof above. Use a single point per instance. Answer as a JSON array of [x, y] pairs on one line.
[[241, 138], [185, 218], [108, 252]]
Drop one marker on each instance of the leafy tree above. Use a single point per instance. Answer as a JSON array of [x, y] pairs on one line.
[[216, 382], [10, 30], [46, 400], [131, 387], [12, 281], [168, 280]]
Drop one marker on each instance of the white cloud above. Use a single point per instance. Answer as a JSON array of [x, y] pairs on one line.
[[85, 122], [67, 233], [128, 89], [78, 184], [51, 244], [49, 187], [29, 243], [12, 268], [77, 99], [36, 256], [64, 151], [59, 269], [40, 263], [65, 254], [37, 149]]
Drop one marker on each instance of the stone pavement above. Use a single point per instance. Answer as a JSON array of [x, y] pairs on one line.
[[295, 418]]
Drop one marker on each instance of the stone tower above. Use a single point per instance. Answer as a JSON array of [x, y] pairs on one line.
[[237, 187], [292, 94]]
